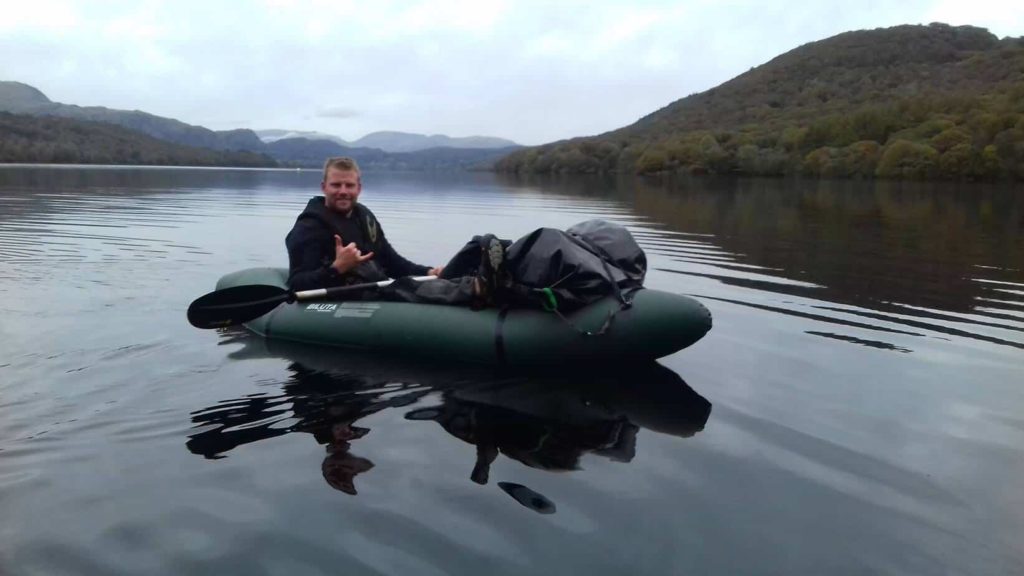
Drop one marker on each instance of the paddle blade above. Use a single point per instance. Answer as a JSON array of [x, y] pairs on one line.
[[235, 305]]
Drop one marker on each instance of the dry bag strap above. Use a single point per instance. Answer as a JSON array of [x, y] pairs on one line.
[[601, 331], [626, 300], [615, 287]]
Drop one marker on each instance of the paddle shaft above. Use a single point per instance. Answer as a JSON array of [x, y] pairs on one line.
[[321, 293], [239, 304]]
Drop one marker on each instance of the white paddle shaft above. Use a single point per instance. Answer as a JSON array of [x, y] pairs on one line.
[[322, 292]]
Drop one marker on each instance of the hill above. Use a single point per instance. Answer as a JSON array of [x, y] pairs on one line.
[[51, 139], [930, 101], [19, 98]]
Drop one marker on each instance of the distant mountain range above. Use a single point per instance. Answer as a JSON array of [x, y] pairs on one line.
[[311, 153], [289, 148], [406, 142], [273, 135], [390, 141]]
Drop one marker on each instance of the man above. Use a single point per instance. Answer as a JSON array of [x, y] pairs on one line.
[[337, 241]]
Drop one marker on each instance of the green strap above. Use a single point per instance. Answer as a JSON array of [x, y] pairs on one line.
[[550, 304]]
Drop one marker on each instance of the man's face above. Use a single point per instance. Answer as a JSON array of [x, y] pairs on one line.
[[341, 189]]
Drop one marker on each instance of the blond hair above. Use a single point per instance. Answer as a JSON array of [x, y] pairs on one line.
[[343, 163]]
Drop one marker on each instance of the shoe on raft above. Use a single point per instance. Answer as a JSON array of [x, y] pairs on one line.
[[496, 257], [491, 276]]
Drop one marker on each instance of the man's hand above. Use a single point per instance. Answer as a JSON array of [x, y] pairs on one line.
[[347, 256], [436, 271]]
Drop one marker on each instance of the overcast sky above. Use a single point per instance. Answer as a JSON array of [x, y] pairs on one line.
[[531, 71]]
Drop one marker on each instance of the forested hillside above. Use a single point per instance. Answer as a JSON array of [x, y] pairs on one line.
[[906, 102], [47, 139], [19, 98]]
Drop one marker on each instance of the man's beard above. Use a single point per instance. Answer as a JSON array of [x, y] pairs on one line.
[[343, 204]]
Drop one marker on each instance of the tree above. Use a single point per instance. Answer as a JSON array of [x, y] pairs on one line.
[[950, 138], [653, 160], [746, 159], [819, 162], [956, 161], [905, 159], [792, 138], [712, 155], [861, 158]]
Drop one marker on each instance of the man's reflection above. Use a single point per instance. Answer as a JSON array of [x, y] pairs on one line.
[[316, 402], [546, 422], [340, 467], [549, 423]]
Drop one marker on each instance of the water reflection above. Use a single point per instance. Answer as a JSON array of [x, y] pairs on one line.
[[922, 259], [136, 180], [548, 422], [110, 214]]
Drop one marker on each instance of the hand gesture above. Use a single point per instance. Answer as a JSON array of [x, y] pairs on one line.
[[347, 256], [436, 271]]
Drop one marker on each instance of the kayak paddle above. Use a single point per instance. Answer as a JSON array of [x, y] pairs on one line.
[[239, 304]]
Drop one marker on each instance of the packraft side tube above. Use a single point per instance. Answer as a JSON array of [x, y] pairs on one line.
[[657, 324]]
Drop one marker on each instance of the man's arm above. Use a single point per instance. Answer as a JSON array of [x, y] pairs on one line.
[[310, 266], [309, 260]]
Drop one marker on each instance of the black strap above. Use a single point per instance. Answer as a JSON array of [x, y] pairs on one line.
[[615, 286], [600, 332], [626, 302], [499, 335]]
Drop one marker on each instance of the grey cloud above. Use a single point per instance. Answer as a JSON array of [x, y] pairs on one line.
[[337, 112]]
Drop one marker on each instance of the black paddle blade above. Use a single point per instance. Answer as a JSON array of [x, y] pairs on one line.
[[235, 305]]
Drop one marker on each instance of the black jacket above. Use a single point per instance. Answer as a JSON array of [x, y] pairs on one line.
[[311, 248]]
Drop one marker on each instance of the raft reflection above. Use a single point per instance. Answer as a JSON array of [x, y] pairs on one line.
[[543, 421]]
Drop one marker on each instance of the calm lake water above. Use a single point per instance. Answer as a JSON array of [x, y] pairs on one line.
[[858, 407]]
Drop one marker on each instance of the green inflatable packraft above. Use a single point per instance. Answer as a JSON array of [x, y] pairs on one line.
[[656, 325]]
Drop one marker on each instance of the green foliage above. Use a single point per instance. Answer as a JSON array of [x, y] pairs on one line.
[[989, 160], [906, 159], [712, 155], [951, 138], [957, 161], [792, 138], [858, 160], [874, 123], [819, 162], [746, 158], [1009, 148], [834, 130], [861, 158], [904, 102], [653, 160]]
